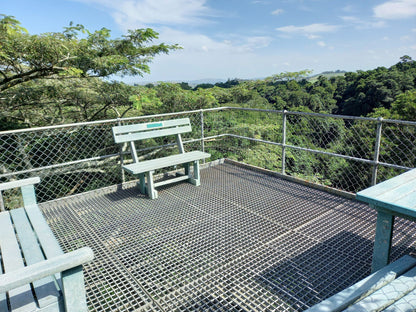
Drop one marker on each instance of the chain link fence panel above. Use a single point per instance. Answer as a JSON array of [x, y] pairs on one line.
[[336, 151]]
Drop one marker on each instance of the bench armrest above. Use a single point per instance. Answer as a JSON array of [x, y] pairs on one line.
[[39, 270], [19, 183]]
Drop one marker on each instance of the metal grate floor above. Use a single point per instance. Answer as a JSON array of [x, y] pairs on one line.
[[242, 241]]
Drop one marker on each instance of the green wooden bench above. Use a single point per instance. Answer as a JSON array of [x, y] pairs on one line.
[[35, 274], [394, 197], [132, 133]]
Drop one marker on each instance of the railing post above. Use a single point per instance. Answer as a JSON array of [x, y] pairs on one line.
[[202, 132], [123, 177], [376, 151], [284, 142], [2, 207]]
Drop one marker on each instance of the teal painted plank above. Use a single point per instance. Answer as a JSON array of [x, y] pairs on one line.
[[21, 297], [45, 289], [398, 192], [377, 190], [45, 268], [3, 299], [28, 194], [19, 183], [154, 125], [142, 135], [388, 294], [143, 126], [408, 201], [405, 304], [367, 286], [46, 238], [159, 163]]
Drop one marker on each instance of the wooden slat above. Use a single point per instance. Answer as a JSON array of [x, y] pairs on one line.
[[388, 294], [406, 303], [398, 192], [45, 289], [142, 135], [19, 183], [172, 180], [397, 195], [367, 286], [45, 268], [150, 125], [20, 298], [387, 185], [3, 299], [159, 163], [409, 200], [45, 236]]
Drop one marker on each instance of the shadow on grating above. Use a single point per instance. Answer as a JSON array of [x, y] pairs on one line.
[[242, 241]]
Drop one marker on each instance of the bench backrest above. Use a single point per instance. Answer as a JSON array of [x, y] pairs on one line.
[[137, 132], [151, 130]]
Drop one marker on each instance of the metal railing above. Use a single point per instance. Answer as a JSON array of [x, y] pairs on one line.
[[344, 152]]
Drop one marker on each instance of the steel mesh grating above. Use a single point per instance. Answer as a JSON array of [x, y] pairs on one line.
[[242, 241]]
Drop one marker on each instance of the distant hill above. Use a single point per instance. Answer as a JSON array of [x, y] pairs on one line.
[[193, 83], [327, 74]]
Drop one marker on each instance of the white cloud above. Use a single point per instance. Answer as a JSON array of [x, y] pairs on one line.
[[321, 44], [277, 12], [197, 43], [360, 24], [396, 9], [308, 30], [139, 13]]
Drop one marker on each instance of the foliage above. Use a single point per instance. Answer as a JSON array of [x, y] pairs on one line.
[[75, 52]]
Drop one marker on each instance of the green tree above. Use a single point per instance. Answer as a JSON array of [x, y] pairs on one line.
[[75, 52]]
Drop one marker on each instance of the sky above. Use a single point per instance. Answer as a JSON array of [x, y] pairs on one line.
[[246, 39]]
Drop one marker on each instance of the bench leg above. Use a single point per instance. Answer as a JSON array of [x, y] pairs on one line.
[[142, 183], [74, 290], [187, 165], [150, 186], [196, 179], [382, 242]]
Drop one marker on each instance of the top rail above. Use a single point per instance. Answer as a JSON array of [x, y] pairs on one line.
[[116, 120]]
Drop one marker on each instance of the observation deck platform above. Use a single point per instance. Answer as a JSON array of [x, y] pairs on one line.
[[242, 241]]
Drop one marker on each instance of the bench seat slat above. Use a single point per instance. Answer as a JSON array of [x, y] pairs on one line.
[[3, 302], [369, 285], [46, 238], [406, 303], [159, 163], [45, 289], [388, 185], [388, 294], [21, 299]]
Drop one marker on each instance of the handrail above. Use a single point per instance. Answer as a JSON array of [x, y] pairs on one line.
[[89, 123]]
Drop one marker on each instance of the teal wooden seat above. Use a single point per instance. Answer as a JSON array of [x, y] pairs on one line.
[[132, 133], [392, 288], [391, 198], [36, 275]]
